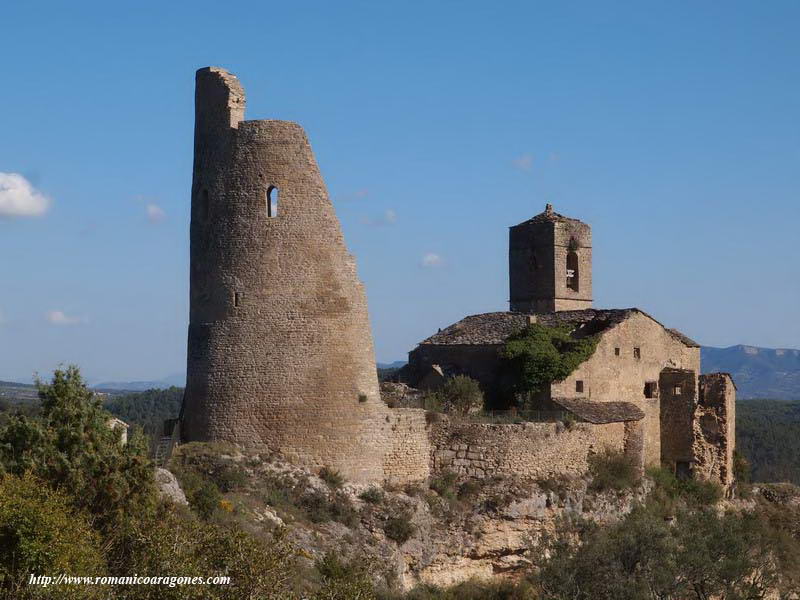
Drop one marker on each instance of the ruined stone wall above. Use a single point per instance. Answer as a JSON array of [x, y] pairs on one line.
[[280, 351], [715, 428], [408, 459], [678, 395], [612, 376], [526, 450]]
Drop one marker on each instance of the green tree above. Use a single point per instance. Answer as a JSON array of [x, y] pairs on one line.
[[72, 448], [461, 394], [42, 534]]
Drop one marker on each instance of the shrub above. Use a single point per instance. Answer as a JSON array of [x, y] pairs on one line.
[[205, 499], [229, 478], [399, 528], [373, 495], [702, 553], [320, 509], [612, 470], [432, 402], [343, 580], [316, 506], [444, 484], [694, 491], [461, 394], [342, 510], [333, 478], [469, 490]]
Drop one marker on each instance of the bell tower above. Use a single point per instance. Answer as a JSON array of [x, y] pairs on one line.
[[550, 264]]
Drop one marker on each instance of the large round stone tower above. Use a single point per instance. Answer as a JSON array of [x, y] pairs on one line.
[[280, 353]]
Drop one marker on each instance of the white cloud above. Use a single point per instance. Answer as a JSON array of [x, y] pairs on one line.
[[432, 260], [524, 162], [18, 198], [389, 217], [155, 214], [59, 317]]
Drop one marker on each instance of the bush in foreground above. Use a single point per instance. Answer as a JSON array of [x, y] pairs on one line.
[[612, 470]]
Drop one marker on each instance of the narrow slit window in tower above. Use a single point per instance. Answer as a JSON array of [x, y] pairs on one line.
[[237, 299], [272, 201], [572, 271]]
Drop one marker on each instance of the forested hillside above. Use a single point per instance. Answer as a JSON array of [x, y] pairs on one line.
[[768, 435], [149, 409]]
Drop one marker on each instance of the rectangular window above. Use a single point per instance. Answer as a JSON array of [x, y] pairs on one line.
[[650, 389], [637, 353], [676, 390], [579, 386], [616, 351], [237, 299]]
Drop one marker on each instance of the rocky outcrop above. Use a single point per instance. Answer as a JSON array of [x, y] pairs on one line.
[[169, 487]]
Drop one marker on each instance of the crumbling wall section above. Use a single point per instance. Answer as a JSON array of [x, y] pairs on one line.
[[715, 428]]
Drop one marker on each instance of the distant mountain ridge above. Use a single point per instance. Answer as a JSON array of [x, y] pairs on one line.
[[176, 380], [757, 372]]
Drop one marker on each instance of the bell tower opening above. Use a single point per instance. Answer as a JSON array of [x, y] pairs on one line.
[[573, 278]]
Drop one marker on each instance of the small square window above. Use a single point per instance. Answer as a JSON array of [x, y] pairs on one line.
[[637, 353], [650, 389], [616, 351], [579, 386], [676, 390]]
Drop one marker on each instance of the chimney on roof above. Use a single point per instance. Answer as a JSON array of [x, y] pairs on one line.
[[548, 208]]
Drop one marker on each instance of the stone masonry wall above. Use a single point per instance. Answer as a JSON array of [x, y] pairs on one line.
[[611, 375], [527, 450], [280, 353], [715, 428], [409, 457]]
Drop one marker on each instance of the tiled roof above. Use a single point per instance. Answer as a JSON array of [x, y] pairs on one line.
[[496, 327], [601, 412]]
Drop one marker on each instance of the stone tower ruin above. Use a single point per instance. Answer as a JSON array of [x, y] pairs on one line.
[[550, 264], [280, 354]]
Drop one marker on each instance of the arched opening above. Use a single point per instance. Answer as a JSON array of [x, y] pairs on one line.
[[573, 278], [272, 201]]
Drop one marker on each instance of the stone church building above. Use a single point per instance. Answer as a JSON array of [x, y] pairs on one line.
[[642, 373], [280, 355]]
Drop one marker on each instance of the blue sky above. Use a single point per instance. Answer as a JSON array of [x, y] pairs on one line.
[[670, 127]]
